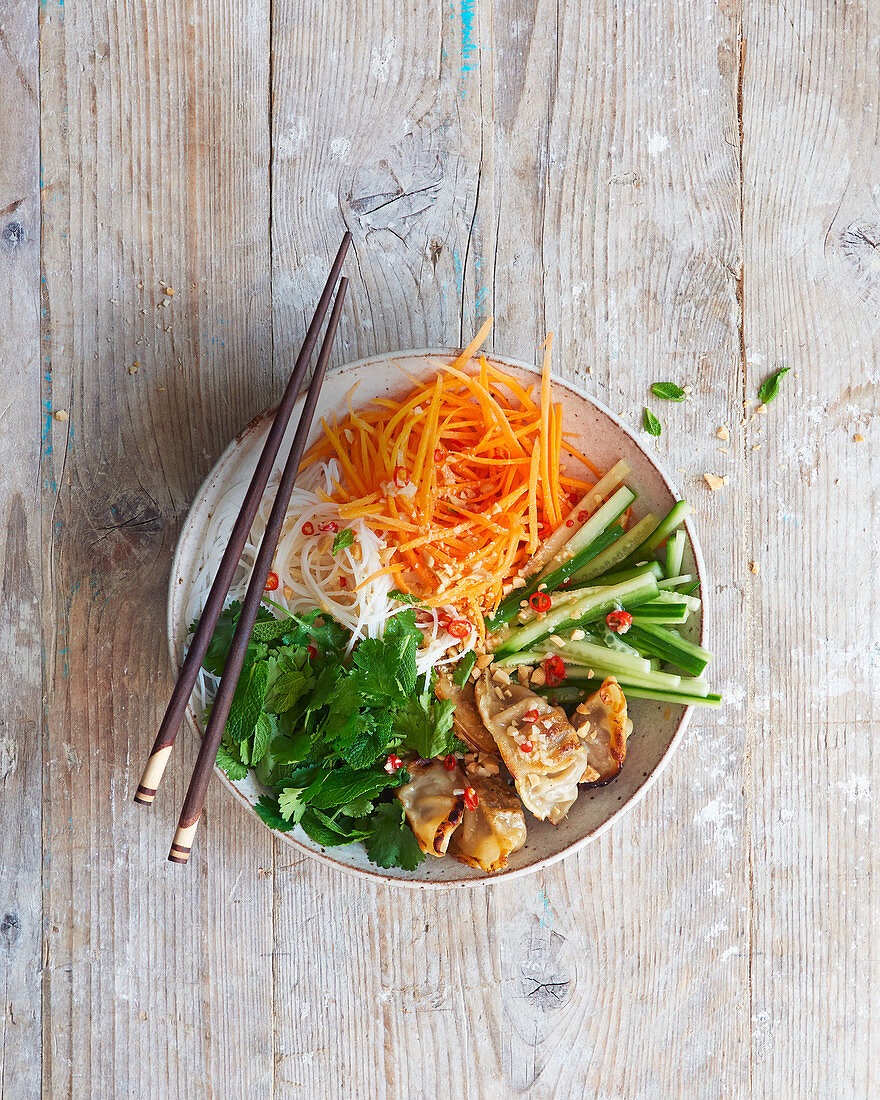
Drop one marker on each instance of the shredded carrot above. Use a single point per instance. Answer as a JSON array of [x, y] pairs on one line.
[[460, 477]]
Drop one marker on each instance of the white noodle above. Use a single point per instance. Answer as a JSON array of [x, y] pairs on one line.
[[309, 574]]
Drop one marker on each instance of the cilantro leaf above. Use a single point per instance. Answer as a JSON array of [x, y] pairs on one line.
[[343, 540], [291, 804], [247, 703], [770, 386], [651, 424], [358, 807], [228, 762], [668, 391], [270, 812], [425, 725], [391, 843], [404, 597], [369, 735]]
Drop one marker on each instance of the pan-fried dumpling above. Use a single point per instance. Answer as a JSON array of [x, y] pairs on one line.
[[542, 752], [494, 830], [601, 721], [433, 801], [466, 720]]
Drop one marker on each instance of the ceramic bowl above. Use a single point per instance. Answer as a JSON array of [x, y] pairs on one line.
[[657, 727]]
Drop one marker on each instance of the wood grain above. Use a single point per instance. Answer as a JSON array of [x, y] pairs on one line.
[[22, 422], [682, 192]]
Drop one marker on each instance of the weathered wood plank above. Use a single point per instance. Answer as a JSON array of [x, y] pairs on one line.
[[811, 292], [618, 207], [21, 788], [156, 175]]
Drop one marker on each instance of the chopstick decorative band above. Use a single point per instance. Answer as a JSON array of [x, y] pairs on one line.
[[195, 795], [155, 767]]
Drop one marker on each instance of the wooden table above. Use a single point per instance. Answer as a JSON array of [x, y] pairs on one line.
[[685, 190]]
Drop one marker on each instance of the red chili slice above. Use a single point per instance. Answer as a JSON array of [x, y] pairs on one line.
[[312, 651], [569, 523], [308, 529], [582, 516], [526, 746], [540, 601], [393, 764], [271, 582], [343, 582], [459, 628], [331, 526], [619, 621], [449, 763], [471, 799], [554, 671], [401, 476], [531, 716], [438, 455]]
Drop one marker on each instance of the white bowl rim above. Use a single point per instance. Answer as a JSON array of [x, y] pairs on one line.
[[442, 884]]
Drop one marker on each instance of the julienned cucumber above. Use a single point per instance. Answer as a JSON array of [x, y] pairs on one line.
[[669, 646], [652, 567], [674, 553], [675, 517], [673, 582], [601, 524], [593, 604], [661, 613], [621, 550], [586, 653], [576, 693], [611, 510]]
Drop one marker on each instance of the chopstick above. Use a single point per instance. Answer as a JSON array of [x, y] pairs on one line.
[[198, 785], [161, 750]]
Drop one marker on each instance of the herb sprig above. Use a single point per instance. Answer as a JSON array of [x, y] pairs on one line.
[[316, 724]]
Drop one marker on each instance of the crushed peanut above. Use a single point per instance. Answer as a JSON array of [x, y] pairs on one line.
[[578, 635], [288, 592], [501, 676], [522, 674], [169, 290], [722, 432], [858, 438], [484, 660], [714, 482], [557, 641], [60, 414], [517, 582], [539, 677], [753, 565]]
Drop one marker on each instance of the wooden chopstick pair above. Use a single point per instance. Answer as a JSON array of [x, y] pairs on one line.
[[155, 767]]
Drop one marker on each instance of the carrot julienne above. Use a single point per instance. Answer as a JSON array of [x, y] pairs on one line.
[[460, 477]]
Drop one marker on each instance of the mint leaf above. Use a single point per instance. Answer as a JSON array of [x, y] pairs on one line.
[[221, 639], [346, 784], [465, 667], [343, 540], [404, 597], [270, 813], [391, 843], [651, 424], [366, 738], [770, 386], [324, 830], [668, 391], [264, 731], [247, 703], [230, 763], [292, 679], [272, 629], [358, 807], [291, 804], [426, 726]]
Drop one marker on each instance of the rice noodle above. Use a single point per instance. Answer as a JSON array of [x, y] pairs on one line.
[[309, 574]]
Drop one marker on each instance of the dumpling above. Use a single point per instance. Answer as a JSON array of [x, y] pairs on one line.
[[537, 743], [433, 801], [601, 721], [466, 720], [494, 830]]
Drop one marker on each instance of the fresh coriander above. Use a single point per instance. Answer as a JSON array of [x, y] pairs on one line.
[[651, 424], [230, 763], [344, 539], [668, 391], [391, 843], [770, 386]]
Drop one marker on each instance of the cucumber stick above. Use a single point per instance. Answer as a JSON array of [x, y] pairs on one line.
[[674, 553], [674, 518], [669, 646], [617, 553], [610, 512], [601, 531], [592, 604], [576, 693], [653, 567]]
